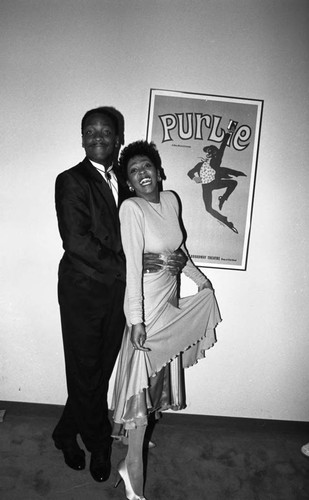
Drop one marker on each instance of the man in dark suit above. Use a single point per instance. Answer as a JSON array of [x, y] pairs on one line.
[[91, 289]]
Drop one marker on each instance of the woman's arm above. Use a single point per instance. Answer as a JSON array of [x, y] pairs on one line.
[[132, 236], [195, 274]]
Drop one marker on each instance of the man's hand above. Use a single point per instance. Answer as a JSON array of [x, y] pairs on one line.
[[138, 337], [176, 261], [153, 262]]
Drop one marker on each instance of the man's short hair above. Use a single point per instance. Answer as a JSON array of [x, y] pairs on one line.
[[103, 110]]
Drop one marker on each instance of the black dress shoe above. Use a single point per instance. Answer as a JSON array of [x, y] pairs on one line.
[[100, 464], [74, 456]]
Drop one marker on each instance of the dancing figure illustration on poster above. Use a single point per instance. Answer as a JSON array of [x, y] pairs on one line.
[[212, 176]]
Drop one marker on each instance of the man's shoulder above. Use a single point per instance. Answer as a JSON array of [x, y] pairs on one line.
[[77, 170], [84, 173]]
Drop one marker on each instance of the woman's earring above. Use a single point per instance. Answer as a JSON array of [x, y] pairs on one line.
[[131, 189]]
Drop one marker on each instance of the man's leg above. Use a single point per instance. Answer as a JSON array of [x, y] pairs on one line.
[[91, 342], [112, 331]]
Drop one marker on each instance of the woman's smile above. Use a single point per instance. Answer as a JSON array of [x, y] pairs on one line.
[[143, 178], [145, 181]]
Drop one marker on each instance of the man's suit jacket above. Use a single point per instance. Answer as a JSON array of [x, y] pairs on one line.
[[89, 224]]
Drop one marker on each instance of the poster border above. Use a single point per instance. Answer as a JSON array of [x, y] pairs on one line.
[[260, 108]]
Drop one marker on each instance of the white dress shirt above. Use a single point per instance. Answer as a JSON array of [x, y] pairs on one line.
[[109, 177]]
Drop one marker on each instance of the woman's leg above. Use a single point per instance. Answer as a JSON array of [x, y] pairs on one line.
[[134, 459]]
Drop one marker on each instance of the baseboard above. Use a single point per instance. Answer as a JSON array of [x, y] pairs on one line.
[[172, 418]]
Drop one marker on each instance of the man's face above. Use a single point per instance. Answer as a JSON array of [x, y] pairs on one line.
[[99, 139]]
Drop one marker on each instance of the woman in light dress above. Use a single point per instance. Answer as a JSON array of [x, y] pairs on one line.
[[164, 333]]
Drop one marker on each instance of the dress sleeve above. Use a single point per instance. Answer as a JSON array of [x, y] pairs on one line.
[[192, 271], [132, 235]]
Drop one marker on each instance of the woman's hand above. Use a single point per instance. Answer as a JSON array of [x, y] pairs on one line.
[[138, 337], [207, 284]]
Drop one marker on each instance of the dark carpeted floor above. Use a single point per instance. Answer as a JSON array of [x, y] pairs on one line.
[[196, 458]]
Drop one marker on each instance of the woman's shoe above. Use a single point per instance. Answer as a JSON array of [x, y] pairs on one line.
[[150, 445], [124, 476]]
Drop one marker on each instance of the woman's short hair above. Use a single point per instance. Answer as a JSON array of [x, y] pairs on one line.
[[140, 148]]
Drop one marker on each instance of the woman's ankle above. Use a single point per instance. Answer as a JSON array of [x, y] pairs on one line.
[[135, 472]]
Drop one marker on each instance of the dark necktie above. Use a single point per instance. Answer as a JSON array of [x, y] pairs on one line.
[[108, 178]]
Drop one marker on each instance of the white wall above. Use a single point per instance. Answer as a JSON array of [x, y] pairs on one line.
[[60, 58]]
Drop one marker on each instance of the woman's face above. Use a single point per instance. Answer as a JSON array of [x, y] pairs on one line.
[[143, 178]]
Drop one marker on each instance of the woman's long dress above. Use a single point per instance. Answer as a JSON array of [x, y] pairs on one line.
[[178, 331]]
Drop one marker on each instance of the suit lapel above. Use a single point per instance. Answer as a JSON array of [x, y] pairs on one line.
[[104, 189]]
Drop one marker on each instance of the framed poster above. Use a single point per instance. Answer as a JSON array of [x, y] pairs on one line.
[[209, 149]]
